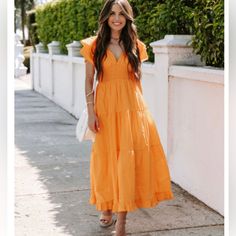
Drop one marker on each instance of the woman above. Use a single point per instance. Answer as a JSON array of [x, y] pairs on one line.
[[128, 168]]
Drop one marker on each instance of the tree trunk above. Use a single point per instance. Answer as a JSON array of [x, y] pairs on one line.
[[22, 7], [15, 22]]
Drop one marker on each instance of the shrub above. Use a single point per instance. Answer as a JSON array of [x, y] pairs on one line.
[[65, 21], [143, 14], [155, 19], [204, 19], [56, 21], [208, 38], [70, 20]]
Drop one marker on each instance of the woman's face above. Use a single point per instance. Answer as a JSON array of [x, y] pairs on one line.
[[116, 20]]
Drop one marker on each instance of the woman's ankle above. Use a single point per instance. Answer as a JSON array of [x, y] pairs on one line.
[[121, 217]]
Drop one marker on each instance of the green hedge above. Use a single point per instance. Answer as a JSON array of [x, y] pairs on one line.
[[208, 41], [70, 20], [65, 21], [155, 19]]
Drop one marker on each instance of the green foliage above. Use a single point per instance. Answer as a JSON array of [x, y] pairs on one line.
[[208, 38], [65, 21], [202, 18], [70, 20], [144, 14], [155, 19], [32, 26]]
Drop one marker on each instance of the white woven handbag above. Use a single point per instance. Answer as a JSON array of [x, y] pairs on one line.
[[82, 130]]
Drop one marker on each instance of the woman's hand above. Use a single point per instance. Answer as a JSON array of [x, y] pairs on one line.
[[93, 123]]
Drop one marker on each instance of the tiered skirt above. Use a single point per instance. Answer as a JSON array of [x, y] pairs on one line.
[[128, 168]]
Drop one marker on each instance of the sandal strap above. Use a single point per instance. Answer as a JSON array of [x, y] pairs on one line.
[[106, 217]]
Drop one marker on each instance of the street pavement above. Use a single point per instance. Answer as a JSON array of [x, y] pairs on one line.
[[52, 181]]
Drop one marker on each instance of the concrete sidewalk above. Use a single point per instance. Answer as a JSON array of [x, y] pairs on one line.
[[52, 182]]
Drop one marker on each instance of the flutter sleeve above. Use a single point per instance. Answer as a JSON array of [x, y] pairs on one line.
[[142, 51], [87, 51]]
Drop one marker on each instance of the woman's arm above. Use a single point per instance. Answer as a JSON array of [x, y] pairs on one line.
[[92, 118]]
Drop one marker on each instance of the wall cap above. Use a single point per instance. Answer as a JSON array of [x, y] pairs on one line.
[[200, 73], [74, 44], [173, 41], [54, 43]]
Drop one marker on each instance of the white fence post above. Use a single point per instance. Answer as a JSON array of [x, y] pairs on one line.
[[36, 74], [173, 49], [32, 68], [54, 48], [40, 48], [73, 49]]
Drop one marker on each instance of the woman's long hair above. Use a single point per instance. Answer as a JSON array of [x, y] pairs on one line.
[[128, 37]]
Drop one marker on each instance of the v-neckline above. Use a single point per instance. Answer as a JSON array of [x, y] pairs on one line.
[[117, 60]]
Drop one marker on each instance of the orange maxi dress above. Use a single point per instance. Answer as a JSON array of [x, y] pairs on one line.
[[128, 168]]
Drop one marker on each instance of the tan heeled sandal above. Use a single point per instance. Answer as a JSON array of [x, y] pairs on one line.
[[106, 220]]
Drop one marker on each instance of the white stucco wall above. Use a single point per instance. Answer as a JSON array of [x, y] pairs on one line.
[[196, 132], [156, 101], [61, 79]]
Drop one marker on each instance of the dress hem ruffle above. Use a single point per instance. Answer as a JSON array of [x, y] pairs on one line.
[[132, 205]]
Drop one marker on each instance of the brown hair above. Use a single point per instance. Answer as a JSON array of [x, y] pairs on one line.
[[128, 37]]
